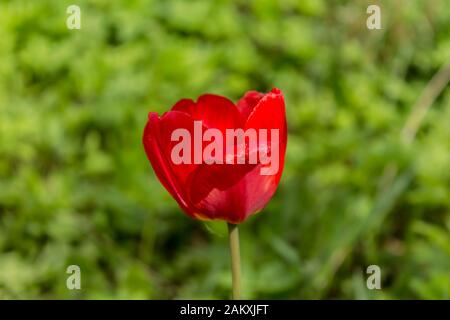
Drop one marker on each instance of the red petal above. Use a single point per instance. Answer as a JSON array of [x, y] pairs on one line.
[[158, 146], [213, 110], [184, 105], [246, 191], [246, 104], [233, 192], [270, 113]]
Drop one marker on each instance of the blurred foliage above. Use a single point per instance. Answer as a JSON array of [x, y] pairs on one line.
[[76, 187]]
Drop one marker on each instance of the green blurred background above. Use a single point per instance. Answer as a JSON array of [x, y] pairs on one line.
[[76, 187]]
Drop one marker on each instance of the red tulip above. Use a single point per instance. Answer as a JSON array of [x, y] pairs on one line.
[[233, 180]]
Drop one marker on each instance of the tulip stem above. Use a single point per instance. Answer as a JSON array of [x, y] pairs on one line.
[[233, 234]]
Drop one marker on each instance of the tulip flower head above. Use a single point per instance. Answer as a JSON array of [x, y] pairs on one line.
[[220, 160]]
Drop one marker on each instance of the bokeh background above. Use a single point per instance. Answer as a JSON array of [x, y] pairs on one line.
[[359, 187]]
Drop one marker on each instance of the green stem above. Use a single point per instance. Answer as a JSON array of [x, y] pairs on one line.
[[233, 234]]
